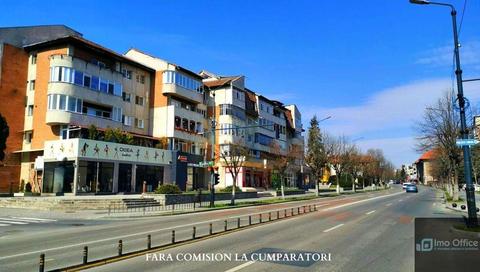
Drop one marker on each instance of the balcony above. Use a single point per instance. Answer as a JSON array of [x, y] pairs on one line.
[[175, 90], [59, 117]]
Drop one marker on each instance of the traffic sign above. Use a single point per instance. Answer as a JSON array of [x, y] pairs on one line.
[[469, 142]]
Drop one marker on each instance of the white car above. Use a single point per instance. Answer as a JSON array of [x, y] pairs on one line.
[[404, 186]]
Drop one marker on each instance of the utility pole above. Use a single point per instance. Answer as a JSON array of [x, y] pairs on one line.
[[470, 190], [212, 172]]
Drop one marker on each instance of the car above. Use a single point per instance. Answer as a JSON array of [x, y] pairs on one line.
[[405, 184], [411, 188]]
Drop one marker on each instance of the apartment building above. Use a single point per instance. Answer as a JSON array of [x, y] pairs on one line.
[[67, 84], [179, 117], [265, 127], [86, 120]]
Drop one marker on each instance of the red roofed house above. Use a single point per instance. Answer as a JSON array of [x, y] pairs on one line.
[[424, 167]]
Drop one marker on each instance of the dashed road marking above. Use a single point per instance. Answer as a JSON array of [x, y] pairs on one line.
[[389, 204], [236, 268], [370, 212], [332, 228]]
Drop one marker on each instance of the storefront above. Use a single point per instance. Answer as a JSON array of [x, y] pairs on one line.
[[81, 166]]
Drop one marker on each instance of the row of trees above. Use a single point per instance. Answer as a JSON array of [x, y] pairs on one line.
[[326, 152], [438, 131]]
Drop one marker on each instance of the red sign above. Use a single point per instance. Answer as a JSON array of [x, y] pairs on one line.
[[182, 158]]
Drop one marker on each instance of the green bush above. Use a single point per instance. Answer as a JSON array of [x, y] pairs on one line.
[[276, 181], [228, 189], [168, 189]]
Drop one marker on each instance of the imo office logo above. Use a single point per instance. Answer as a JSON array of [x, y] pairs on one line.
[[425, 245]]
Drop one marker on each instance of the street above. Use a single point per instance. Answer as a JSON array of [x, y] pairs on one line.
[[373, 229], [374, 235]]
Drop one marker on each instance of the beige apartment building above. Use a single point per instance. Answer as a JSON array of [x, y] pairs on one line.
[[87, 120]]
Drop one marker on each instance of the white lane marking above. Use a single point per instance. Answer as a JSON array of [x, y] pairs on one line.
[[332, 228], [21, 220], [370, 212], [400, 200], [236, 268], [356, 202], [13, 222], [36, 219], [389, 204], [4, 225]]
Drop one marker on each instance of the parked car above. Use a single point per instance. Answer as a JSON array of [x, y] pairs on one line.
[[411, 188]]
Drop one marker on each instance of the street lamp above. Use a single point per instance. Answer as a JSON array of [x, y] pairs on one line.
[[470, 191]]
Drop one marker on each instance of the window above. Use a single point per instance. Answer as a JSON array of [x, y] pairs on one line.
[[171, 77], [29, 110], [139, 123], [34, 59], [104, 86], [127, 73], [110, 88], [28, 136], [192, 126], [229, 109], [263, 139], [63, 132], [137, 77], [117, 89], [62, 102], [32, 85], [139, 100], [87, 81], [78, 78], [185, 123], [126, 97], [128, 120], [142, 79], [72, 103], [178, 122], [95, 82], [79, 105], [117, 114], [199, 127]]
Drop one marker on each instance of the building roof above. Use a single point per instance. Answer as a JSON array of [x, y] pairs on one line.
[[87, 43], [222, 81], [21, 36], [429, 155]]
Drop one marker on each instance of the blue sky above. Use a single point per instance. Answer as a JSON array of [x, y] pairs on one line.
[[372, 65]]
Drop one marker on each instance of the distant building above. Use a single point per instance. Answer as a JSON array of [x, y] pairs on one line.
[[424, 167]]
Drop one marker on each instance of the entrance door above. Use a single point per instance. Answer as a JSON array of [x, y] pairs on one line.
[[125, 178]]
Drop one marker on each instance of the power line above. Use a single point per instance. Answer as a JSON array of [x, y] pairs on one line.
[[461, 19]]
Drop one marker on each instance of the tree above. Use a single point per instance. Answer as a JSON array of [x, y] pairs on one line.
[[234, 156], [4, 132], [316, 155], [283, 163], [338, 150], [118, 136], [438, 130], [355, 164], [93, 133]]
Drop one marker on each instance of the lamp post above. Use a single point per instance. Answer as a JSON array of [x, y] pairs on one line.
[[212, 172], [470, 191]]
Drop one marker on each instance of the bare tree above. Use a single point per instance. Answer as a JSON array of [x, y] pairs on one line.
[[338, 150], [283, 163], [234, 157], [438, 130]]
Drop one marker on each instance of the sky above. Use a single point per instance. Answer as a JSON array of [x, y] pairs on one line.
[[371, 65]]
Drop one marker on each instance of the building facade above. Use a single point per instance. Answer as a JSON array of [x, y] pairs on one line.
[[266, 130], [86, 120]]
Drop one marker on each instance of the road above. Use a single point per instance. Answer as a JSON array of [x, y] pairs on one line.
[[362, 229], [372, 235]]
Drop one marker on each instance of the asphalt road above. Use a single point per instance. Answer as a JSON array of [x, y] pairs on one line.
[[368, 234], [63, 240]]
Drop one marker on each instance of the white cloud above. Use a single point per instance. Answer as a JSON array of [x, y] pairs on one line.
[[388, 113], [443, 56]]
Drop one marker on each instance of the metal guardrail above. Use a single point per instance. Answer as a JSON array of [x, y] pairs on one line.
[[151, 207], [226, 225]]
